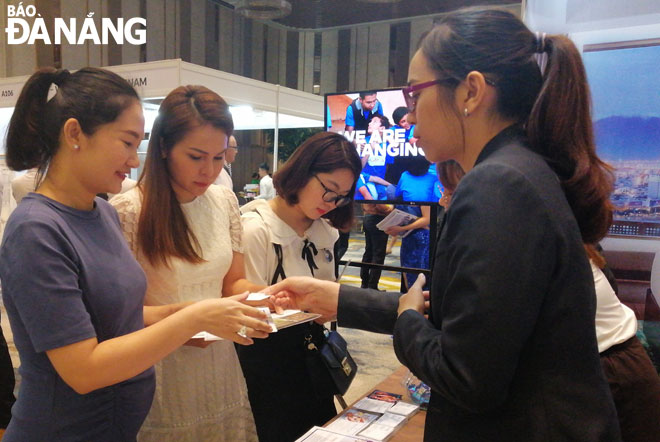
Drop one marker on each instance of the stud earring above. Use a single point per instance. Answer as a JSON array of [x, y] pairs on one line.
[[466, 113], [76, 147]]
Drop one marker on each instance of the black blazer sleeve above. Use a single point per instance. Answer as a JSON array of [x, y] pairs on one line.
[[367, 309]]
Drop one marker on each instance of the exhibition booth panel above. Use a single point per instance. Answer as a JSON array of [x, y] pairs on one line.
[[254, 104]]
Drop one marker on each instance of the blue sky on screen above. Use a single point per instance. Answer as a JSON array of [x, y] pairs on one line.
[[624, 82]]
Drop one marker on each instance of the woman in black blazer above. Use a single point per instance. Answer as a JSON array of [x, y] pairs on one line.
[[509, 346]]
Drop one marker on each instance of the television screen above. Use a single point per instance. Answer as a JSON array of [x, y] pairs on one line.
[[623, 78], [394, 167]]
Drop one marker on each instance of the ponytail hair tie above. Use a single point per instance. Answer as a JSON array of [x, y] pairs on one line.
[[52, 91], [540, 42], [60, 76]]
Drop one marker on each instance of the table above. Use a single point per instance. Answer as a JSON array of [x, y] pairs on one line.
[[413, 430]]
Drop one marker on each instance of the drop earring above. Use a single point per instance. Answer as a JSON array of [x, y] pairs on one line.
[[466, 113], [76, 147]]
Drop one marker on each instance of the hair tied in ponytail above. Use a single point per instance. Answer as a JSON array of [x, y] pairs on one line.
[[540, 42], [541, 54], [52, 91]]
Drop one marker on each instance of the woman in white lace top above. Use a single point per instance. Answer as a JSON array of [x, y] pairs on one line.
[[186, 234]]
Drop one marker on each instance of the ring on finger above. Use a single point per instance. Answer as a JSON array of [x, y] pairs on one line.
[[242, 332]]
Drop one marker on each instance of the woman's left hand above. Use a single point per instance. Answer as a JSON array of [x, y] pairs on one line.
[[394, 230], [414, 299]]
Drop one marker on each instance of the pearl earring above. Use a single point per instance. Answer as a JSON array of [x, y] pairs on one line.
[[76, 147], [465, 112]]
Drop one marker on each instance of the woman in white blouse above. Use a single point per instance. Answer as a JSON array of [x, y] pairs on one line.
[[294, 235]]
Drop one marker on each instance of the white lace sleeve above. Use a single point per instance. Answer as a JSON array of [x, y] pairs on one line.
[[129, 214], [235, 226]]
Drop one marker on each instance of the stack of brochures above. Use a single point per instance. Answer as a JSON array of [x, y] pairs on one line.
[[374, 418], [397, 218]]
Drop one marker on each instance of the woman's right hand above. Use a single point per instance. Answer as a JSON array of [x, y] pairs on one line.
[[308, 294], [226, 317]]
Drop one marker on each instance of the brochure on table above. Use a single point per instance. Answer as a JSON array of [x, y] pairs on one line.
[[374, 418]]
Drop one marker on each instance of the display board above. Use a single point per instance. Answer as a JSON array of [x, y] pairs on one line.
[[623, 78], [394, 167]]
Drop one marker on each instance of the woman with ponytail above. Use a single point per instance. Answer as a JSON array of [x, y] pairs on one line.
[[73, 291], [509, 347]]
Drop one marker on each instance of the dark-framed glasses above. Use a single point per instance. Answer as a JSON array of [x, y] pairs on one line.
[[330, 196]]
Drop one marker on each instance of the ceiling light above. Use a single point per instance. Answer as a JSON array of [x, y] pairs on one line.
[[263, 9]]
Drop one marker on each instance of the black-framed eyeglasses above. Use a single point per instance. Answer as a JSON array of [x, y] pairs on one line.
[[330, 196], [409, 92]]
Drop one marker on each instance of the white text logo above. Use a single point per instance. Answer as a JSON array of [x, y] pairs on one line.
[[71, 30]]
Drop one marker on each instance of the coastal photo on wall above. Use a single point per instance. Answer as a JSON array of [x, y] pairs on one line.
[[626, 112]]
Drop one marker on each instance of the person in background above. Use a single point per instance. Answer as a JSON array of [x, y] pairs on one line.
[[372, 179], [361, 110], [397, 165], [186, 234], [400, 120], [24, 184], [449, 175], [72, 289], [509, 346], [255, 178], [634, 383], [416, 184], [294, 235], [7, 381], [7, 384], [266, 189], [224, 179]]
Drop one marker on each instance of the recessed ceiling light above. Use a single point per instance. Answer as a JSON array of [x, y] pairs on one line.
[[263, 9]]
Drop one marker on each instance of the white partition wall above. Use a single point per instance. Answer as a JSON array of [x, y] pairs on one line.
[[254, 104]]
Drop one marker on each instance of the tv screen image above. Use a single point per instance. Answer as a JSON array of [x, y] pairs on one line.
[[623, 78], [394, 167]]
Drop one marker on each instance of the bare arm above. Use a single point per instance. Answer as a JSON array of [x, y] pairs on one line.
[[235, 281], [420, 223], [89, 365], [155, 313], [379, 180], [365, 193]]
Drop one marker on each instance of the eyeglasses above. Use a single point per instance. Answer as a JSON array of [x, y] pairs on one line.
[[330, 196], [409, 92]]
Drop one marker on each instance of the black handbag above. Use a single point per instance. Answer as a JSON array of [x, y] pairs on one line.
[[329, 363]]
